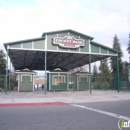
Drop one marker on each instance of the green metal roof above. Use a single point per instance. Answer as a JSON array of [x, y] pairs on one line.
[[95, 43], [34, 59], [23, 41], [67, 30]]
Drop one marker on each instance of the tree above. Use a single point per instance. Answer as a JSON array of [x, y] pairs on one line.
[[105, 75], [125, 67], [2, 62], [128, 48], [95, 70], [104, 68], [2, 67], [117, 46]]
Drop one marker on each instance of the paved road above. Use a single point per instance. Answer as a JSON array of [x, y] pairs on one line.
[[63, 117]]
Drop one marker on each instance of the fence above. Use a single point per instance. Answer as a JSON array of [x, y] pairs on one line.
[[11, 83], [110, 82], [97, 82], [72, 82], [103, 82], [125, 82], [2, 82]]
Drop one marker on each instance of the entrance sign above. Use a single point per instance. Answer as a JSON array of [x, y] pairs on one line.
[[68, 42]]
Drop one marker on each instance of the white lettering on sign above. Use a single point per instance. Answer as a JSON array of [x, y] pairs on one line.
[[68, 42]]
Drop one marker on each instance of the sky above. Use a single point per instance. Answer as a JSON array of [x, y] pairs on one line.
[[101, 19]]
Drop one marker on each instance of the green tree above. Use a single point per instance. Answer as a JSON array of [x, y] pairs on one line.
[[2, 68], [104, 68], [95, 70], [117, 46], [125, 67], [2, 62], [128, 48], [105, 75]]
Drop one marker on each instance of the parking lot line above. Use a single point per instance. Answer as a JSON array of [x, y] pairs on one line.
[[103, 112]]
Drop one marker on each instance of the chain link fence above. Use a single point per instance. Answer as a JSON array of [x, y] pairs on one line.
[[2, 82], [97, 82], [125, 81], [11, 83], [110, 82], [104, 82]]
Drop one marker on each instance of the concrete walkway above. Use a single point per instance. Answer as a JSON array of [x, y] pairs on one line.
[[14, 97]]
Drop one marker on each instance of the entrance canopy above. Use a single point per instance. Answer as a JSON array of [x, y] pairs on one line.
[[65, 49]]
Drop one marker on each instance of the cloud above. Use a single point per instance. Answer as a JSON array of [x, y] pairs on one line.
[[3, 1], [99, 19]]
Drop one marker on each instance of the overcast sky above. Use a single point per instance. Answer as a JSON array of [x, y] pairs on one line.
[[101, 19]]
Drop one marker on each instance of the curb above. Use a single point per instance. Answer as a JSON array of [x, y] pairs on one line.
[[52, 103], [32, 104]]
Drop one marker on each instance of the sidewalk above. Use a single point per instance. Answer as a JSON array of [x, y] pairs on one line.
[[61, 97]]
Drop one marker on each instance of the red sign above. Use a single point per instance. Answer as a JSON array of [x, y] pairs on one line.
[[68, 42]]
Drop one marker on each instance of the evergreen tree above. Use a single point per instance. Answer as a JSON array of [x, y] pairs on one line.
[[125, 67], [95, 70], [2, 62], [128, 48], [103, 79], [2, 68], [104, 68], [117, 46]]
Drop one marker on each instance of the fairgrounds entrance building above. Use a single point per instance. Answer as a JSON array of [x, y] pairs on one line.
[[65, 50]]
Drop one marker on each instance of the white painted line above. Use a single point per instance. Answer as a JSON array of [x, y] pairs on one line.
[[103, 112]]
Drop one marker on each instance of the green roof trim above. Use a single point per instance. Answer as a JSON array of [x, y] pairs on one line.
[[61, 31], [22, 41], [67, 30], [95, 43]]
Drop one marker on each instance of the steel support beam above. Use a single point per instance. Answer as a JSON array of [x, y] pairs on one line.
[[45, 85], [117, 75], [90, 87], [6, 76]]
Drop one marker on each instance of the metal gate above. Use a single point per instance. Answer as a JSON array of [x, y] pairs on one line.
[[72, 82], [78, 82]]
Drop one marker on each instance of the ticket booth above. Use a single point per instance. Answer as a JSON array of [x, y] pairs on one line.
[[25, 79], [82, 81], [57, 80]]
